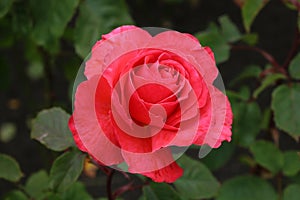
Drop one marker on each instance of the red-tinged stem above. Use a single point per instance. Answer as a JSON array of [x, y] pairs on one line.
[[109, 192], [262, 52], [293, 50]]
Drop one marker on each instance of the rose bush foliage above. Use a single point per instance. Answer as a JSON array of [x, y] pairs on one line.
[[48, 41]]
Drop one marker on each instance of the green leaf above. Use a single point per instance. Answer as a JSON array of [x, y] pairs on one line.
[[15, 195], [9, 168], [268, 81], [294, 68], [197, 181], [291, 163], [229, 30], [285, 104], [37, 184], [97, 17], [251, 71], [246, 188], [65, 170], [291, 192], [267, 155], [51, 19], [250, 39], [250, 10], [5, 7], [217, 158], [160, 191], [213, 38], [76, 191], [247, 122], [51, 129]]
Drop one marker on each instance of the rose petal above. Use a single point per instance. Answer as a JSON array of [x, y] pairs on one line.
[[168, 174], [115, 44], [88, 130]]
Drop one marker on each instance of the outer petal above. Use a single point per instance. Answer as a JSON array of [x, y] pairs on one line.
[[168, 174], [216, 120], [116, 43], [88, 133]]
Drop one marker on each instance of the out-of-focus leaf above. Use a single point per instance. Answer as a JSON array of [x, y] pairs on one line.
[[291, 192], [291, 163], [15, 195], [37, 184], [50, 19], [197, 181], [7, 36], [21, 19], [219, 157], [76, 191], [294, 68], [160, 191], [247, 122], [243, 94], [51, 129], [246, 188], [66, 170], [266, 117], [213, 38], [268, 81], [250, 10], [267, 155], [250, 38], [285, 104], [252, 71], [97, 17], [5, 7], [7, 132], [35, 70], [229, 30], [9, 168]]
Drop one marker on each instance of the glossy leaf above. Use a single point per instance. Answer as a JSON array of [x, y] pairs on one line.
[[291, 163], [246, 188], [285, 104], [51, 19], [9, 168], [5, 7], [98, 17], [51, 129], [197, 181], [294, 68], [267, 155], [159, 191], [250, 10], [247, 122], [268, 81], [66, 170], [37, 184], [291, 192]]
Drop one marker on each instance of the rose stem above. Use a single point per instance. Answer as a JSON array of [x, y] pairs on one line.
[[109, 184]]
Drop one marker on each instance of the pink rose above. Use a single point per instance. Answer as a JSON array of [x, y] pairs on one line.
[[145, 99]]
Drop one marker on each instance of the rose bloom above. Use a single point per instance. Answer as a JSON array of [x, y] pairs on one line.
[[146, 95]]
